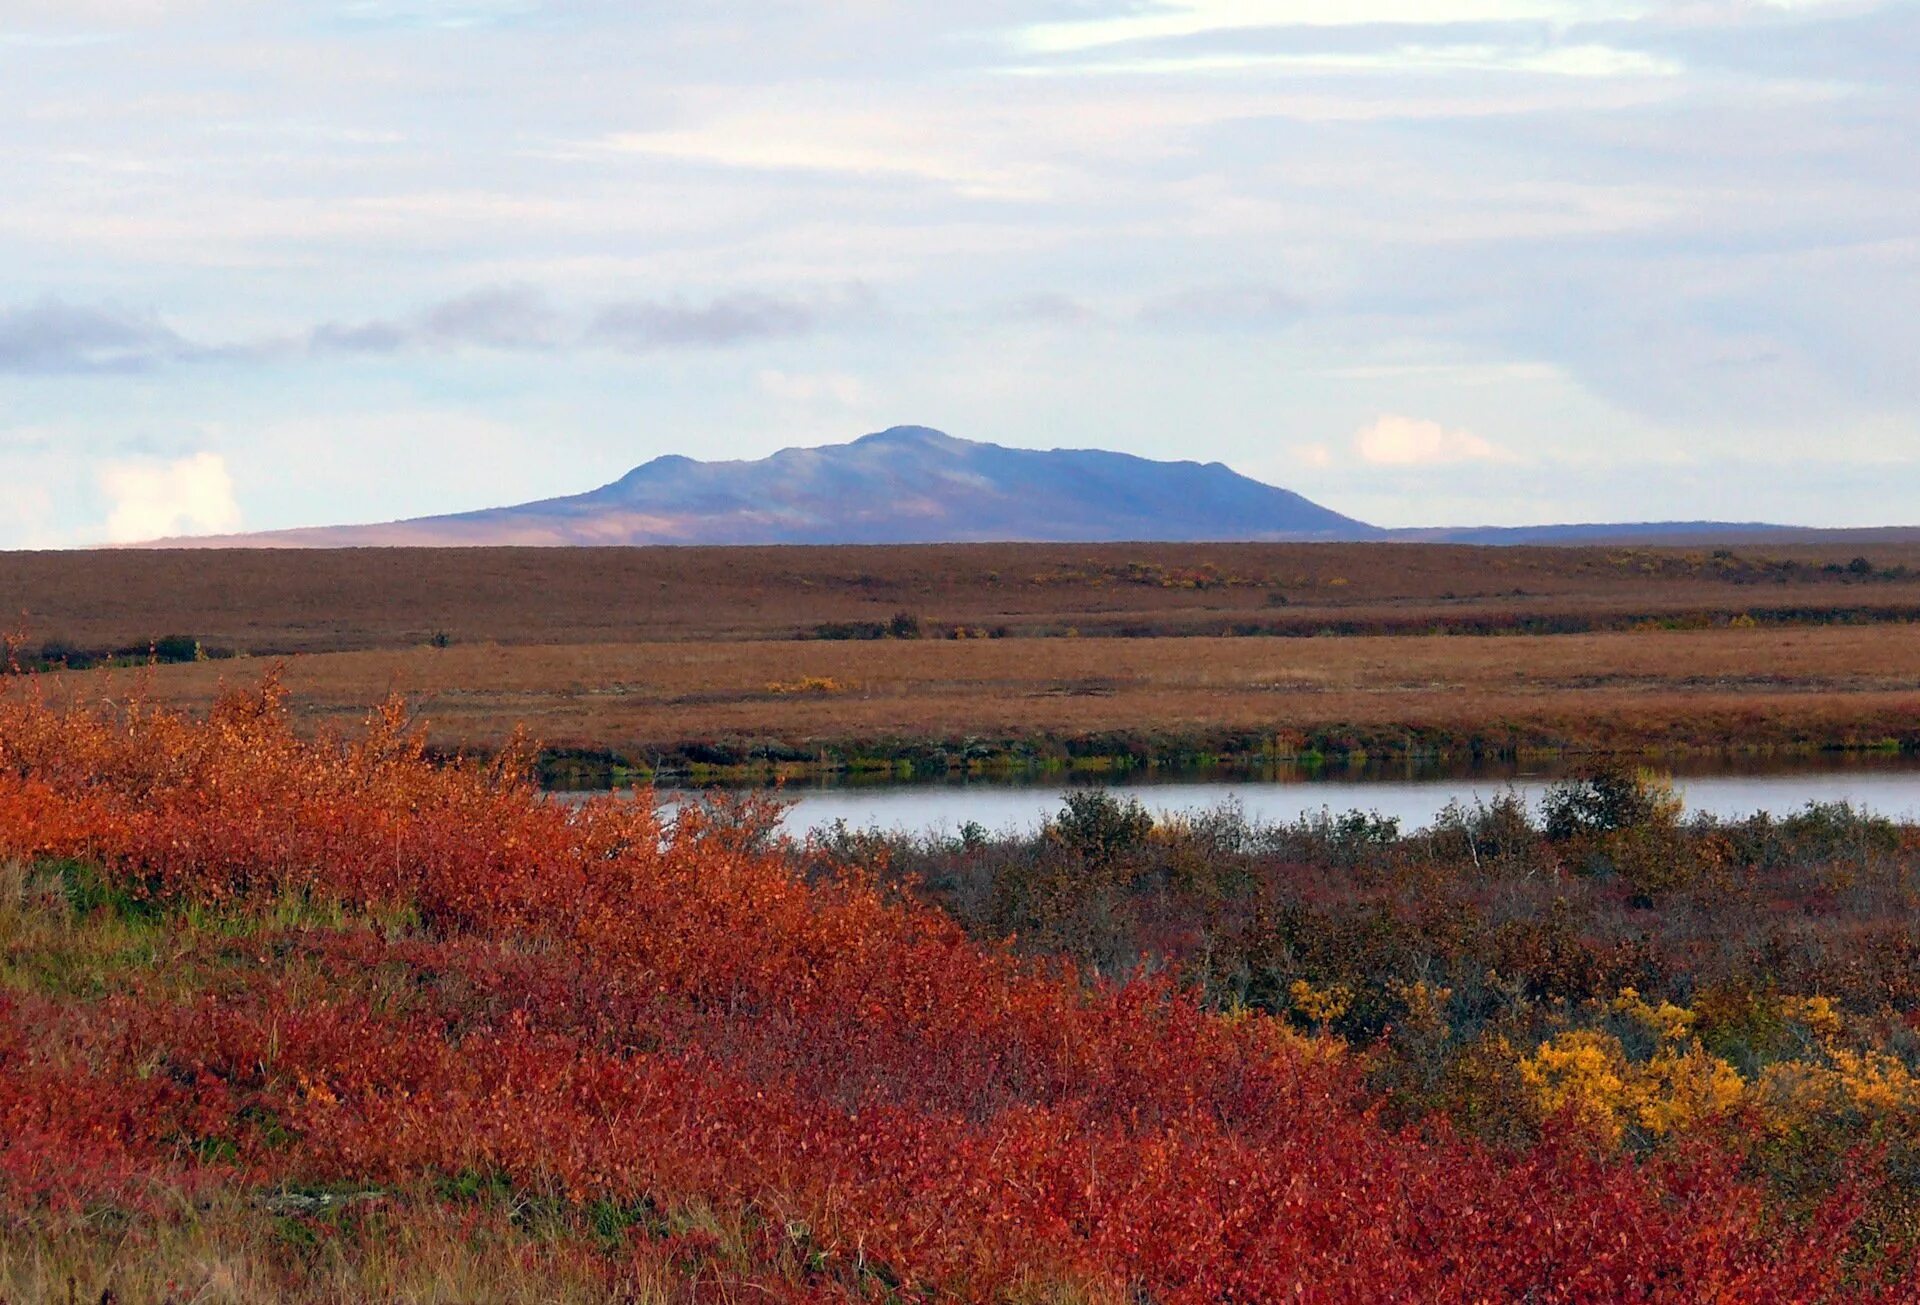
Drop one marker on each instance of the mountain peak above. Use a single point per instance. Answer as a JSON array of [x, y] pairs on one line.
[[918, 485], [911, 436], [901, 485]]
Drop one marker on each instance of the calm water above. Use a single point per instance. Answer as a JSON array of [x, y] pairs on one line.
[[1887, 785]]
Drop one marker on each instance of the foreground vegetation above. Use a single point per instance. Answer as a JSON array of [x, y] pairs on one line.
[[1659, 979], [323, 1020]]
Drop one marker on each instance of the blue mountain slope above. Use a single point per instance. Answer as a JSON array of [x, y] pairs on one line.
[[911, 484]]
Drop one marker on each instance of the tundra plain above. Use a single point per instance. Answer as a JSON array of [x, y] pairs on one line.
[[728, 661]]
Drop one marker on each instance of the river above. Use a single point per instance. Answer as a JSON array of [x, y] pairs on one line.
[[1888, 785]]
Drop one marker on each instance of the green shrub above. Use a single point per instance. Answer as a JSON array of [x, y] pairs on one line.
[[1607, 799], [176, 648], [1098, 826]]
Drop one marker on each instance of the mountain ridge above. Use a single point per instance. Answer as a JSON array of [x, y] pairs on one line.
[[902, 485], [918, 485]]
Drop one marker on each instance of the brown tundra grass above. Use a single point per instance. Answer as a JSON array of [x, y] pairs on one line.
[[1708, 689]]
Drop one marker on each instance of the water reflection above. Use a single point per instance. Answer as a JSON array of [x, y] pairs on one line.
[[1414, 794]]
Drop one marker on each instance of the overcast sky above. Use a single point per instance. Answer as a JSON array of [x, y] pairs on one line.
[[1428, 262]]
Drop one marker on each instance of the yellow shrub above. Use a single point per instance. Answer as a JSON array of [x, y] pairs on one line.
[[1876, 1082], [807, 684], [1583, 1070], [1587, 1071], [1321, 1005], [1678, 1088], [1667, 1022], [1817, 1013]]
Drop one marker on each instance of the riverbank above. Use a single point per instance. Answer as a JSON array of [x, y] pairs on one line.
[[764, 762], [732, 711]]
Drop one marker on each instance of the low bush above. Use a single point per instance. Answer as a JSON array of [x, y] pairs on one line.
[[625, 1048]]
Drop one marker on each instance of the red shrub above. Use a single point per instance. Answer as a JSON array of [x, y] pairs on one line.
[[600, 1008]]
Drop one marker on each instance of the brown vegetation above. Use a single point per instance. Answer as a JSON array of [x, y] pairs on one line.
[[731, 703], [268, 601]]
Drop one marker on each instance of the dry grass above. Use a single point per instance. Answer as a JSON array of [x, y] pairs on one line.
[[646, 652], [237, 1252], [286, 601], [1703, 688]]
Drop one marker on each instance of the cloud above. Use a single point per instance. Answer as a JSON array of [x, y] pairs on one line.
[[654, 324], [493, 317], [366, 337], [936, 144], [1327, 212], [1186, 18], [522, 319], [53, 337], [1407, 442], [506, 317], [1574, 61], [1221, 306], [186, 497], [1047, 307]]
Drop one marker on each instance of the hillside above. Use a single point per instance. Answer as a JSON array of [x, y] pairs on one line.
[[905, 485], [916, 485]]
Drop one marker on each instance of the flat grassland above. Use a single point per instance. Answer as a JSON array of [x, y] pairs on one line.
[[279, 601], [723, 660], [735, 703]]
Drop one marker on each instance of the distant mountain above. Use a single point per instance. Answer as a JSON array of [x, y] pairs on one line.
[[902, 486], [913, 485]]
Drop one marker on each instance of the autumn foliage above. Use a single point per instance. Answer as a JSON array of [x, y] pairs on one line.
[[380, 972]]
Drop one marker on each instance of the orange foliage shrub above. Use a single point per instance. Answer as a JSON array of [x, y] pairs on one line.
[[590, 1003]]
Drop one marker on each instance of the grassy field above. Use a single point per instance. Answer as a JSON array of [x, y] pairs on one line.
[[942, 702], [734, 662], [262, 601]]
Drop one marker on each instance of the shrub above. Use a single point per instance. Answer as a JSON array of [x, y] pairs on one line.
[[843, 630], [1098, 827], [1607, 799], [340, 968], [176, 648]]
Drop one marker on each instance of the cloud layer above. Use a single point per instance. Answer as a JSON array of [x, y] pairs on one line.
[[1409, 442], [1609, 235], [190, 496]]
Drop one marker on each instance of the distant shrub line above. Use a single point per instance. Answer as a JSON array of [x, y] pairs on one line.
[[20, 656], [1237, 752], [1324, 623]]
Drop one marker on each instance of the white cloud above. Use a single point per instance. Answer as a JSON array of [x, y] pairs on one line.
[[924, 145], [1312, 455], [1195, 17], [31, 519], [1407, 441], [1593, 61], [188, 496]]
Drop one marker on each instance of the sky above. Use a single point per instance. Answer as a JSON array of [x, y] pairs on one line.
[[1425, 261]]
